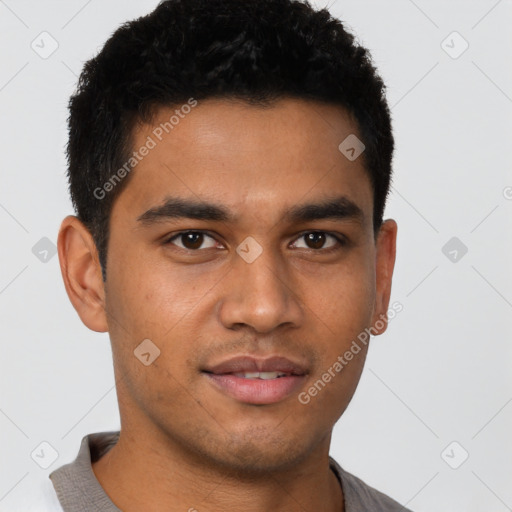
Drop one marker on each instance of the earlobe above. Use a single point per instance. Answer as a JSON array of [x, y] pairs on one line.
[[384, 265], [81, 273]]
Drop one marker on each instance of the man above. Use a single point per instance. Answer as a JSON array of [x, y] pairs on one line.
[[229, 164]]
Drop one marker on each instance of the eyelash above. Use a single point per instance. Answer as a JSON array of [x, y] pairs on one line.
[[342, 242]]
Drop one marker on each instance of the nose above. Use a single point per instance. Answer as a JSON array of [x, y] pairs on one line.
[[260, 295]]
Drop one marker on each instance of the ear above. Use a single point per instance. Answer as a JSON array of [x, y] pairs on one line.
[[81, 272], [384, 265]]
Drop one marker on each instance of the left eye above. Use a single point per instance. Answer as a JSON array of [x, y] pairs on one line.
[[316, 240]]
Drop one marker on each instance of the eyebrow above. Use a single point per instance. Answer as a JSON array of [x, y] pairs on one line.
[[335, 208]]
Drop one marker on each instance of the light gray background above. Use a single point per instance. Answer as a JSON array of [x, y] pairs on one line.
[[441, 373]]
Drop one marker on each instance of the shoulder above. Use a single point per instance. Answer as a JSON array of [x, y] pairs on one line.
[[360, 497]]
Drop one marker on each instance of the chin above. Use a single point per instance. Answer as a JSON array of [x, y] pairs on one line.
[[259, 452]]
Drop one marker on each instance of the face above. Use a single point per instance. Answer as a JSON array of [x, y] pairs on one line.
[[252, 269]]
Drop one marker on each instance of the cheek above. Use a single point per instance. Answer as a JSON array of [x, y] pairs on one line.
[[146, 294], [343, 299]]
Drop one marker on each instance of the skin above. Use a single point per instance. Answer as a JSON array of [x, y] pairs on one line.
[[185, 445]]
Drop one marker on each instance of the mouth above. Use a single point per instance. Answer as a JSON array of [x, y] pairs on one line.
[[256, 387], [261, 375], [252, 381]]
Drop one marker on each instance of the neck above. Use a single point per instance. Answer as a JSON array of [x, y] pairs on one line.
[[140, 473]]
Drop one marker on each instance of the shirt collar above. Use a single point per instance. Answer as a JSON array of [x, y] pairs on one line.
[[78, 489]]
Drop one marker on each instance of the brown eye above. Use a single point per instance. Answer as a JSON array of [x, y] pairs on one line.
[[316, 240], [192, 240]]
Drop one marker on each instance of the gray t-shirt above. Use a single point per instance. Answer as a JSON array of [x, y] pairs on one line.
[[78, 490]]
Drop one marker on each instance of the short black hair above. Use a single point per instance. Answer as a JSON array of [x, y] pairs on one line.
[[255, 50]]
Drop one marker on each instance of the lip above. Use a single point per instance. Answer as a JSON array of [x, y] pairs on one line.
[[257, 391], [251, 364]]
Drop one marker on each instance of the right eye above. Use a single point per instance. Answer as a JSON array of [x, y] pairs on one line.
[[191, 240]]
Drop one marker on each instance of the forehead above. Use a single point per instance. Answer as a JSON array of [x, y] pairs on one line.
[[246, 157]]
